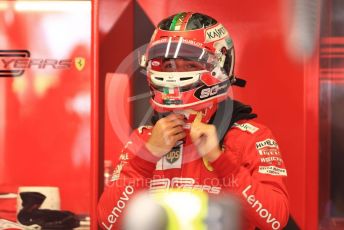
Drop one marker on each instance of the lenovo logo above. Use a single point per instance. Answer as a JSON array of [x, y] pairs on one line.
[[259, 208]]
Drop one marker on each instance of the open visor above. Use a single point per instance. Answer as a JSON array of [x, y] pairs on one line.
[[169, 50]]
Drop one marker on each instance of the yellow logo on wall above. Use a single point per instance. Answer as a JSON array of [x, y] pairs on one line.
[[79, 63]]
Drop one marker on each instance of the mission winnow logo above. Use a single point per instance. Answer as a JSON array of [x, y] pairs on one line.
[[13, 63]]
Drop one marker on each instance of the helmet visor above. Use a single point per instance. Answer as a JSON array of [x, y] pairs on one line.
[[179, 55]]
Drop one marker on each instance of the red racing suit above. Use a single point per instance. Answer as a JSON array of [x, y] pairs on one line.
[[250, 167]]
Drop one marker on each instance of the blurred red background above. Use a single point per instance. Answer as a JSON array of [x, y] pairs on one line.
[[45, 115]]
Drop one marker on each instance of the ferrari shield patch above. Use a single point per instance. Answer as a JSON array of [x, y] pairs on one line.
[[79, 63]]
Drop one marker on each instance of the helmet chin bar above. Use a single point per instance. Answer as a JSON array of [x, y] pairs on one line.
[[189, 115], [197, 106]]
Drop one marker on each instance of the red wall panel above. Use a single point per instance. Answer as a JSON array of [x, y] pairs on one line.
[[116, 43], [46, 111]]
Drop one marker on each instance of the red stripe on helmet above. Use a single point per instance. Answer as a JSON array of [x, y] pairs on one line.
[[186, 20]]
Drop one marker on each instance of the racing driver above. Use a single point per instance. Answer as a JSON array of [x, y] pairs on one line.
[[201, 138]]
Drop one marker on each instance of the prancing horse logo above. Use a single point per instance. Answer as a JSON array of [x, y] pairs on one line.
[[79, 63]]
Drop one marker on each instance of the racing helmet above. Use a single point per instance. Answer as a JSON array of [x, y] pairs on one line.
[[189, 62]]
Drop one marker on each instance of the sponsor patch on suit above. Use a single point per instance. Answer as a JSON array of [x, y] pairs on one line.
[[172, 159]]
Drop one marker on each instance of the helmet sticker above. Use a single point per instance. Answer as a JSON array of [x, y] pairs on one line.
[[229, 42], [205, 91], [215, 33]]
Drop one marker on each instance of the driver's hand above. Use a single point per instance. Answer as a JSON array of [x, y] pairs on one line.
[[165, 133], [204, 137]]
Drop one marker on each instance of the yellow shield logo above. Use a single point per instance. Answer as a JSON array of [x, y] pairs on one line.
[[79, 63]]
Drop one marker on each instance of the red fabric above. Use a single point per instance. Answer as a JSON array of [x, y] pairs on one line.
[[250, 167], [8, 206]]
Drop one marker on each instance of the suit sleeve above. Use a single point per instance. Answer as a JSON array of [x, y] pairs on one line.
[[132, 174], [260, 176]]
